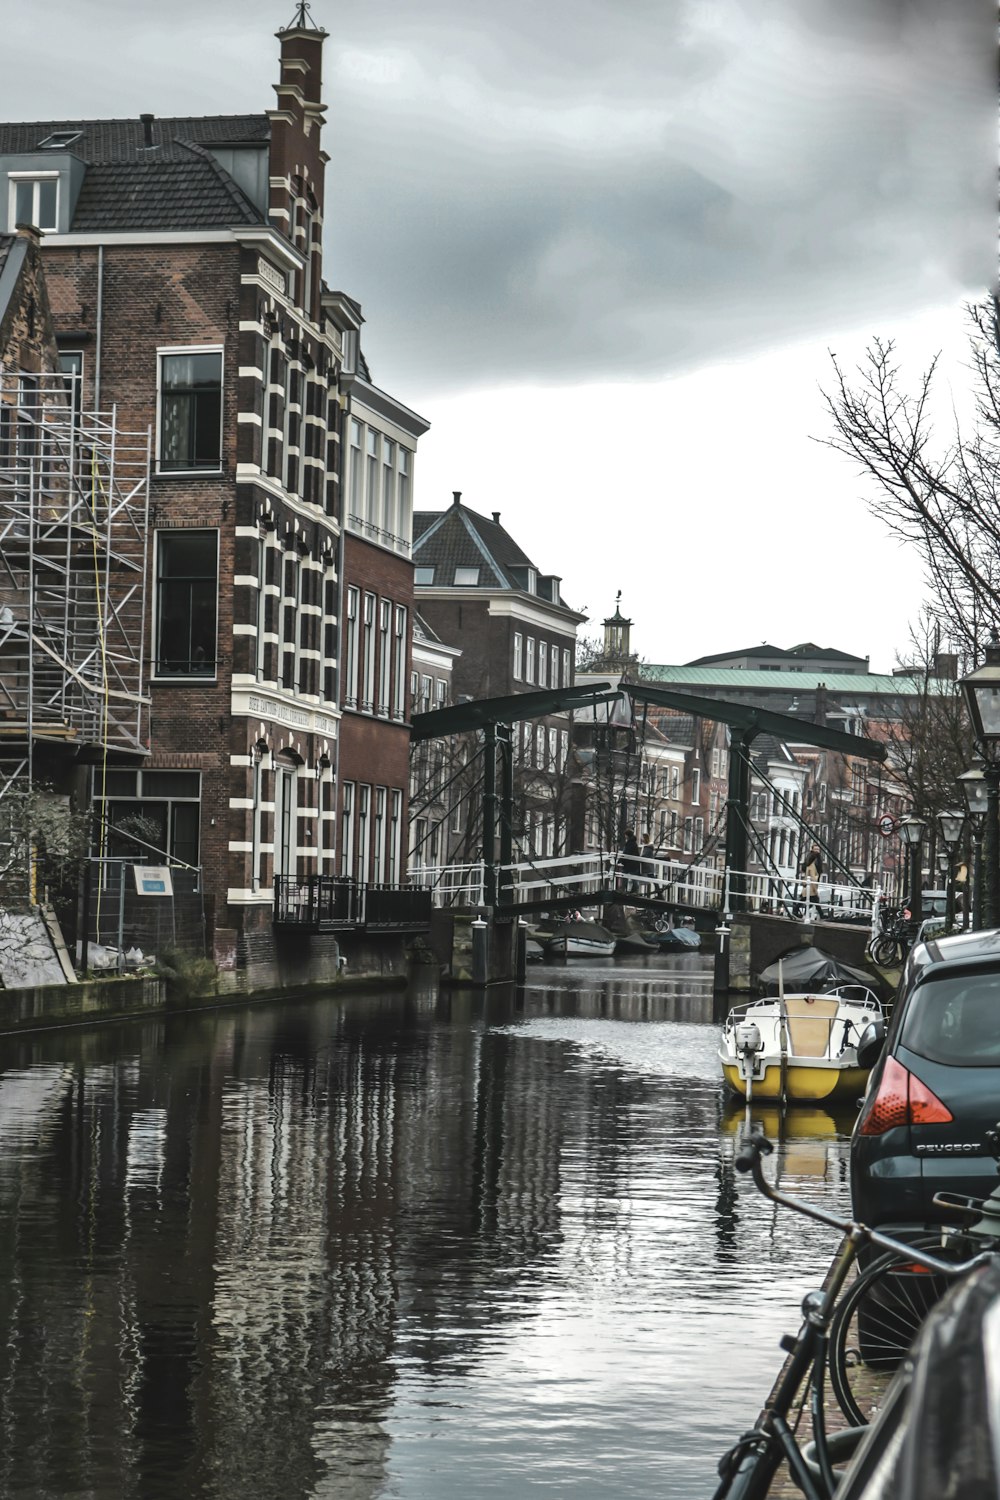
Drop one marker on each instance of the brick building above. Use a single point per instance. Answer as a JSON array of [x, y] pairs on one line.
[[184, 263], [479, 590]]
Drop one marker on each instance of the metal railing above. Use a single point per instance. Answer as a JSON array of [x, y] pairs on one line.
[[452, 885], [331, 902]]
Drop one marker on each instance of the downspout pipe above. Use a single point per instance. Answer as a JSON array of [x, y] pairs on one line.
[[100, 325]]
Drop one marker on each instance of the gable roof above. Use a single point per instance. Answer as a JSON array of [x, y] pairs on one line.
[[765, 652], [461, 538], [175, 184]]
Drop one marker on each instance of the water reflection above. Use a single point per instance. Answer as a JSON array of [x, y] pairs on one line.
[[421, 1245]]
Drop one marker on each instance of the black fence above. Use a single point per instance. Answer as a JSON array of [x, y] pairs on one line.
[[324, 903]]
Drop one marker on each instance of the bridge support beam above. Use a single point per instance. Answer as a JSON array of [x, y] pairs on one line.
[[490, 814], [738, 813]]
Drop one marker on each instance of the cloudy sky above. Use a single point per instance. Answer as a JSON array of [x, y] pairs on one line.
[[605, 247]]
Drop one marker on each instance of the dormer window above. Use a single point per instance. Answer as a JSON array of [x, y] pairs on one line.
[[423, 577], [34, 199], [59, 140], [466, 577]]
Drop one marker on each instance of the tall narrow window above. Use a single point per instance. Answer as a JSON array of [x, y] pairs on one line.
[[695, 784], [285, 822], [71, 365], [191, 410], [384, 654], [399, 673], [403, 524], [351, 651], [395, 836], [543, 664], [368, 659], [357, 471], [388, 488], [378, 833], [529, 659], [261, 607], [554, 664], [567, 673], [347, 830], [371, 477], [187, 571], [364, 831], [518, 655]]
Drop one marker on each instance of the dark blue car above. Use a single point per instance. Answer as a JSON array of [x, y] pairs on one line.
[[934, 1091]]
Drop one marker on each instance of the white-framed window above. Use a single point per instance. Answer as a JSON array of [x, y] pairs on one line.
[[347, 829], [553, 749], [399, 675], [540, 746], [368, 656], [378, 866], [554, 666], [426, 691], [675, 781], [189, 399], [543, 664], [563, 748], [403, 502], [699, 834], [388, 486], [364, 831], [285, 820], [715, 761], [384, 654], [395, 836], [695, 784], [351, 649], [371, 475], [185, 604], [688, 835], [518, 655], [357, 481], [442, 692], [529, 659], [466, 577], [567, 669], [34, 199]]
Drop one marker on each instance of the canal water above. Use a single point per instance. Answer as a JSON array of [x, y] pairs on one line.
[[426, 1245]]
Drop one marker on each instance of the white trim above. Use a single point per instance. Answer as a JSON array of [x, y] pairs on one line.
[[244, 234]]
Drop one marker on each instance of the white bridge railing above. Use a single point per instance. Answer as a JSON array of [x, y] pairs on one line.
[[670, 881]]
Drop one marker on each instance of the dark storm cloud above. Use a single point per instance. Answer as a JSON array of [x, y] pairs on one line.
[[543, 191]]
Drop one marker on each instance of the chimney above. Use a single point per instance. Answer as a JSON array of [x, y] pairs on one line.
[[456, 497], [496, 518], [147, 129]]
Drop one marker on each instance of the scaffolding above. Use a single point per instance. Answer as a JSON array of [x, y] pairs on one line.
[[74, 498]]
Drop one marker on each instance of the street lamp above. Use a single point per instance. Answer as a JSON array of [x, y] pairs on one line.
[[973, 785], [911, 831], [950, 825], [982, 698]]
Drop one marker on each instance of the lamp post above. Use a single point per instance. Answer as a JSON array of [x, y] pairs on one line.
[[950, 825], [973, 785], [911, 831], [982, 699]]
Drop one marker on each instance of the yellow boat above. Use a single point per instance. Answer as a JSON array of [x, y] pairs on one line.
[[802, 1049]]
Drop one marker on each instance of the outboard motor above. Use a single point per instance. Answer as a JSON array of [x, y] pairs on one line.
[[748, 1043]]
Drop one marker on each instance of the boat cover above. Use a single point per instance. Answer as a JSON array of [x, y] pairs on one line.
[[812, 969]]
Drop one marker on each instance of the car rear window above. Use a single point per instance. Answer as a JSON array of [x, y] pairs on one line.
[[955, 1020]]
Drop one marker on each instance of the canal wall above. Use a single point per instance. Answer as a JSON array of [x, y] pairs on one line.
[[757, 941]]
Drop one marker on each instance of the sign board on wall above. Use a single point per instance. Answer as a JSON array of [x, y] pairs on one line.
[[153, 880]]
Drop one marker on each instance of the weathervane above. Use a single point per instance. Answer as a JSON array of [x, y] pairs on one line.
[[302, 20]]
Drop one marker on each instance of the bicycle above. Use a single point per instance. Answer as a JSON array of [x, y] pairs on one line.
[[891, 943], [748, 1468], [879, 1315]]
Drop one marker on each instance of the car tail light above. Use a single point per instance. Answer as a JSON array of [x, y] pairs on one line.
[[901, 1099]]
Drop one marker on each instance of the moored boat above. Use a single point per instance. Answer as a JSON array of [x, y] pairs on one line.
[[800, 1048], [678, 940], [580, 940], [634, 942]]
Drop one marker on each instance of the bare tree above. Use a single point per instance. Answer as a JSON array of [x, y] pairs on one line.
[[943, 498]]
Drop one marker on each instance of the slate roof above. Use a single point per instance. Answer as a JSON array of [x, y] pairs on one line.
[[196, 194], [850, 685], [125, 140], [175, 184], [459, 538]]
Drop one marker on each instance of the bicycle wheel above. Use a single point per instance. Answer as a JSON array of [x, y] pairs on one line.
[[884, 950], [876, 1320]]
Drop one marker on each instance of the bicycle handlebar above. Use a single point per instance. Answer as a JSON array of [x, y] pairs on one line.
[[749, 1159]]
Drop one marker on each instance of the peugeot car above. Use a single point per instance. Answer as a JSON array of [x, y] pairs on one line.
[[934, 1091]]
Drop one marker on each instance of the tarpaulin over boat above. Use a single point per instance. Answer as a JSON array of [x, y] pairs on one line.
[[812, 969]]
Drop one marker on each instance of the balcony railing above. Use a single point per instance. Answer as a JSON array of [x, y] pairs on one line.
[[330, 903]]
